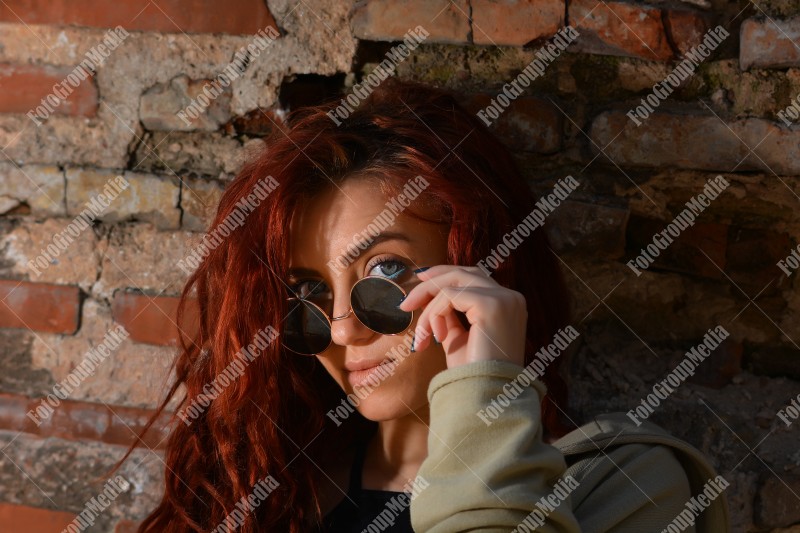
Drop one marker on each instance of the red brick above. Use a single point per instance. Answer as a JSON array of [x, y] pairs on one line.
[[33, 519], [172, 16], [753, 254], [684, 253], [588, 228], [151, 319], [685, 28], [78, 420], [775, 360], [39, 306], [515, 23], [769, 43], [617, 28], [389, 20], [24, 86], [12, 413], [126, 423], [697, 141], [529, 124]]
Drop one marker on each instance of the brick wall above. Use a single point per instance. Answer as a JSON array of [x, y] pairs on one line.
[[731, 117]]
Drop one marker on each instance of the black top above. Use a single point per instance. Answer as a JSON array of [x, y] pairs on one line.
[[361, 507]]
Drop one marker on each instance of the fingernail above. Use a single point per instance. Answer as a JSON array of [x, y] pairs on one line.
[[423, 269]]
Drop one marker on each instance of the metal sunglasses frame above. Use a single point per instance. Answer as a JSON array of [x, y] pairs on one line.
[[349, 312]]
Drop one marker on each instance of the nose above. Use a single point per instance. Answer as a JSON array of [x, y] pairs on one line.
[[347, 329]]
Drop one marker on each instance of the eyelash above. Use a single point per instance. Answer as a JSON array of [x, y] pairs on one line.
[[381, 259]]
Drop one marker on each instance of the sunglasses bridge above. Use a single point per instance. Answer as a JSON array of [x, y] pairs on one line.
[[347, 314]]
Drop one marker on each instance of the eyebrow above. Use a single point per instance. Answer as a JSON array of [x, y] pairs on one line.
[[379, 238]]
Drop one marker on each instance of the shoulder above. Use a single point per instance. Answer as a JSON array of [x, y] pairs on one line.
[[637, 477], [642, 483]]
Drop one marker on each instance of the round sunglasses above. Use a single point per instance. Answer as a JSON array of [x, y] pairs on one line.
[[373, 300]]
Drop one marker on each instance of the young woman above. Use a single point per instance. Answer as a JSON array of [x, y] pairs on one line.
[[362, 243]]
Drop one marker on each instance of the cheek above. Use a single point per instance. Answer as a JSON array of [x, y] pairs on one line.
[[420, 367]]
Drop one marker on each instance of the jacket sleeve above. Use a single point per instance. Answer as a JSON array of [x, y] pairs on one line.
[[488, 478]]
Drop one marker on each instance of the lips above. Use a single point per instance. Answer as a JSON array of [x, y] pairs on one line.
[[372, 372], [364, 364]]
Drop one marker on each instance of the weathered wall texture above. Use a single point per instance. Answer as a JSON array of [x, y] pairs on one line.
[[733, 116]]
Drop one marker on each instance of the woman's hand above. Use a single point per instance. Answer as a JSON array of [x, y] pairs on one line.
[[497, 315]]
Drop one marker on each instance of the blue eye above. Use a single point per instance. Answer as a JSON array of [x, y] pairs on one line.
[[388, 268]]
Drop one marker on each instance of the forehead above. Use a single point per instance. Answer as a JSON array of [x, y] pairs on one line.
[[322, 229]]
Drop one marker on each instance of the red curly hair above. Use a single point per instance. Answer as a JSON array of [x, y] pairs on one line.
[[268, 421]]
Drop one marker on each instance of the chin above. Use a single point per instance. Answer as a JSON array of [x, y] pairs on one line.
[[382, 413], [383, 405]]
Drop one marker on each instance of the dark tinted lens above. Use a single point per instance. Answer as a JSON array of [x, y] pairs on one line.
[[306, 330], [375, 303]]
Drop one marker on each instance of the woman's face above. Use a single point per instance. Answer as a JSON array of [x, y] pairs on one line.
[[319, 235]]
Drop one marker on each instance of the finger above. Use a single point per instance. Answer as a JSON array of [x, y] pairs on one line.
[[444, 303], [426, 326], [456, 333], [438, 327], [479, 304], [454, 325], [424, 292], [444, 322]]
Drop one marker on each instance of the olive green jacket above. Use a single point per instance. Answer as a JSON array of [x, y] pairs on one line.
[[489, 469]]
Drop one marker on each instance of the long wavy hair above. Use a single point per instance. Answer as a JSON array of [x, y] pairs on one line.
[[271, 420]]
